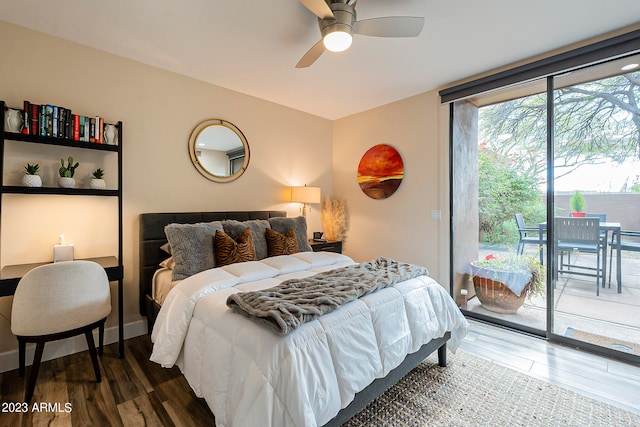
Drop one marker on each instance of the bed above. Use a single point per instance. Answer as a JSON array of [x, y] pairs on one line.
[[323, 372]]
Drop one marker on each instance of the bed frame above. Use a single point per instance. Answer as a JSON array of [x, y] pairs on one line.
[[152, 237]]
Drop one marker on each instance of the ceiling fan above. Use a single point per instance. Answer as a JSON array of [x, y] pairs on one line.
[[338, 24]]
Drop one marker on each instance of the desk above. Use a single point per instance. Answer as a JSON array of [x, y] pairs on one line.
[[614, 227], [10, 275]]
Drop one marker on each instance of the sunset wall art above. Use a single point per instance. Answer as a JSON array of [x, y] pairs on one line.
[[380, 171]]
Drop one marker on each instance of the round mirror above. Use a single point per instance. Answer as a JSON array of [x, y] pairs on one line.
[[219, 150]]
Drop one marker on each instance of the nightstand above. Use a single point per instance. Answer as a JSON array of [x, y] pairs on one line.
[[328, 246]]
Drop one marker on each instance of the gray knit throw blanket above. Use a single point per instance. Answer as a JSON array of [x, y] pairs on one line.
[[293, 302]]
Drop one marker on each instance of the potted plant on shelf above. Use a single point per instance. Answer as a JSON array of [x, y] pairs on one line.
[[97, 183], [502, 284], [577, 205], [31, 177], [66, 173]]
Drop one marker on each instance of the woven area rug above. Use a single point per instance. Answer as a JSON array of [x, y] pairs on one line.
[[471, 391]]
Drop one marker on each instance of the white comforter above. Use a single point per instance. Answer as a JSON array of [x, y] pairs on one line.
[[251, 376]]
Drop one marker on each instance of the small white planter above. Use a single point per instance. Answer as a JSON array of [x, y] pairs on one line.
[[97, 184], [65, 182], [31, 181]]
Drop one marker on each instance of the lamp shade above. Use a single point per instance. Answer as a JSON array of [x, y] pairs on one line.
[[305, 194]]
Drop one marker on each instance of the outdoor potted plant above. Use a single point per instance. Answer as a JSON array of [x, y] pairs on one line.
[[31, 177], [502, 283], [66, 173], [577, 205], [97, 183]]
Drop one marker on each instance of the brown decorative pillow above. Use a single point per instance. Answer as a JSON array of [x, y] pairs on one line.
[[299, 225], [229, 251], [281, 244]]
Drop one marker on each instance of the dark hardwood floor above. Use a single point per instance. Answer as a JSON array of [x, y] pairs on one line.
[[133, 392], [137, 392]]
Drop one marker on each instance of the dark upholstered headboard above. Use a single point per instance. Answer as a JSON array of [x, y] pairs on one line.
[[152, 237]]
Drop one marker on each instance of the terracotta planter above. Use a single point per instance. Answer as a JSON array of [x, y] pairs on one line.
[[492, 292], [578, 214]]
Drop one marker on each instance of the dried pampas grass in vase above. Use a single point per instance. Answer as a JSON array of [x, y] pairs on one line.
[[334, 218]]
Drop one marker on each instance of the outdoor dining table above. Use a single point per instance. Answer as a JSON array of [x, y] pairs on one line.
[[605, 226]]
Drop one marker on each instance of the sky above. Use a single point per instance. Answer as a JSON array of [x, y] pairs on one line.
[[607, 177]]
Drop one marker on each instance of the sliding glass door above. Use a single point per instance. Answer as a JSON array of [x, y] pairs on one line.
[[596, 187], [499, 185], [545, 195]]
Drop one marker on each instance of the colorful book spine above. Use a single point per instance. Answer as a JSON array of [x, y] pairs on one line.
[[26, 128], [48, 129], [92, 129], [99, 129], [34, 119], [54, 121], [60, 122], [68, 124], [87, 126], [76, 127]]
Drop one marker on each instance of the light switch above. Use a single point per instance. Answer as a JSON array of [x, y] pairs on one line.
[[436, 214]]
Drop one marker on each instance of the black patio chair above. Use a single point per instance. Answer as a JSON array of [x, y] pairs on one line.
[[528, 236], [581, 235], [625, 244]]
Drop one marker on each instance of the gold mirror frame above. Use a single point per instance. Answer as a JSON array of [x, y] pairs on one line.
[[198, 163]]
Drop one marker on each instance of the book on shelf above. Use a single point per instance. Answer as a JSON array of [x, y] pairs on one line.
[[87, 127], [35, 110], [26, 124], [99, 129], [92, 129], [54, 121], [76, 127], [60, 122]]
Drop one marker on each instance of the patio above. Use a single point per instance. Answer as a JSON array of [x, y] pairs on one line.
[[611, 319]]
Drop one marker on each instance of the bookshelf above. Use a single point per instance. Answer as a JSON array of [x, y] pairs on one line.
[[112, 263]]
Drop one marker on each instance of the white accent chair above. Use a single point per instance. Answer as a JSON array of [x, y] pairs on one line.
[[57, 301]]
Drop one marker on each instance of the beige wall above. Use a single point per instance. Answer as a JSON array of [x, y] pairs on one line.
[[400, 226], [158, 109]]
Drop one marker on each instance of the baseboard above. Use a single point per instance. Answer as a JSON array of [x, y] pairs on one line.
[[55, 349]]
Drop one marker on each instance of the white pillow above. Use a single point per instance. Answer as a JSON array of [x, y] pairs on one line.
[[287, 264], [319, 259], [250, 270]]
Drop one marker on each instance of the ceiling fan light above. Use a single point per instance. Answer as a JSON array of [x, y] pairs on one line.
[[337, 41]]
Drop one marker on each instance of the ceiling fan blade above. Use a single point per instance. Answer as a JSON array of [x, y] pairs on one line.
[[391, 26], [319, 7], [312, 55]]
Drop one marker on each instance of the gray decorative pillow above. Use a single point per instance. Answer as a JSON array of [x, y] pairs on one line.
[[299, 225], [258, 226], [192, 247]]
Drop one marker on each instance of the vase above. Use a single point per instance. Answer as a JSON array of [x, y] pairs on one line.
[[31, 181], [493, 293], [110, 134], [97, 184], [66, 182], [13, 120]]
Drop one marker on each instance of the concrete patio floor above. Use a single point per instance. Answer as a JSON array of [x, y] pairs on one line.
[[610, 316]]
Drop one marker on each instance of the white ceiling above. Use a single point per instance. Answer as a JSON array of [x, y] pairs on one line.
[[252, 46]]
